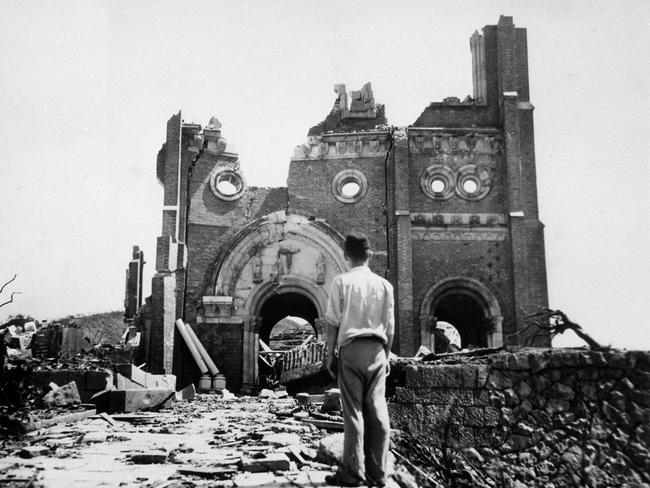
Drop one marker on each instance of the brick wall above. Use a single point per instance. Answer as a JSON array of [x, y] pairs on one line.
[[310, 194]]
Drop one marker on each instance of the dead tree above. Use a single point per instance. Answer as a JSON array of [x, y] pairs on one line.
[[13, 293], [556, 322]]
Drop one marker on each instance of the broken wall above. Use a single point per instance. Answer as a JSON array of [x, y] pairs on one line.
[[544, 403]]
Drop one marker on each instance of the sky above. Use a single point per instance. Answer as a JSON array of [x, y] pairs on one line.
[[86, 89]]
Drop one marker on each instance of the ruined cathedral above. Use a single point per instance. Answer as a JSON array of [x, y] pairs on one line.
[[449, 204]]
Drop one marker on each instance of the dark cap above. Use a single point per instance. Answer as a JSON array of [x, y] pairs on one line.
[[356, 243]]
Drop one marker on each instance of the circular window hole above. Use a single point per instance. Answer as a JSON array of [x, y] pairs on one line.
[[350, 189], [470, 186], [438, 185], [229, 184]]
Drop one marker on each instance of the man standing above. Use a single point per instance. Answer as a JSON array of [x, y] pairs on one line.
[[361, 323]]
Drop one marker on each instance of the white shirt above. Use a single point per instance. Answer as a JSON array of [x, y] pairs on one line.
[[361, 304]]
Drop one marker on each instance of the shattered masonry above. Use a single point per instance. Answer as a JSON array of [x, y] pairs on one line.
[[449, 204]]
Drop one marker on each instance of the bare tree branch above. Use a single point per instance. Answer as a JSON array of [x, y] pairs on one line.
[[10, 299], [3, 286]]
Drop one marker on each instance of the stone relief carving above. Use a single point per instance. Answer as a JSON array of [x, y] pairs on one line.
[[257, 269], [321, 268], [285, 258], [456, 143]]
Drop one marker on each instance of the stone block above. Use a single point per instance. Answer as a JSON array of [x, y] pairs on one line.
[[518, 361], [469, 375], [638, 412], [462, 434], [121, 382], [615, 359], [522, 389], [94, 437], [491, 417], [330, 449], [641, 379], [498, 380], [282, 439], [482, 398], [482, 372], [435, 376], [117, 401], [29, 452], [640, 397], [132, 372], [270, 462], [436, 396], [332, 401], [475, 416], [538, 362], [187, 393], [149, 457], [562, 392], [556, 405], [485, 437], [64, 396]]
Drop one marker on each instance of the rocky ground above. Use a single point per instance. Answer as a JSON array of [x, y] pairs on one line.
[[207, 441]]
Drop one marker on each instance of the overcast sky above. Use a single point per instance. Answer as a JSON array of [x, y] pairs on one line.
[[86, 89]]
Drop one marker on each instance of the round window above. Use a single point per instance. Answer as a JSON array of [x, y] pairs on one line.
[[474, 182], [350, 189], [438, 185], [470, 186], [227, 184], [437, 182], [349, 186]]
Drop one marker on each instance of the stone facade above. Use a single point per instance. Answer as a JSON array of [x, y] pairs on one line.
[[449, 205], [548, 411]]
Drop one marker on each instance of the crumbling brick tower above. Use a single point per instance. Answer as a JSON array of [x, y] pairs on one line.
[[449, 204]]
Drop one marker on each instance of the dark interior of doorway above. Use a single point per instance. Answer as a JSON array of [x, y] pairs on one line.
[[466, 314], [281, 305]]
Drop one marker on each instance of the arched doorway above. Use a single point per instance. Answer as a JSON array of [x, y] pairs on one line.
[[279, 306], [469, 305], [465, 313]]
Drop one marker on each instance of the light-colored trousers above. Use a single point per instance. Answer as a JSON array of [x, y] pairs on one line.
[[362, 381]]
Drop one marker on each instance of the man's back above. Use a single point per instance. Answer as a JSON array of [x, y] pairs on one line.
[[361, 303]]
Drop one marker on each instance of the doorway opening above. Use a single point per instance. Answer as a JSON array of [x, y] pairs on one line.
[[286, 321], [278, 307], [466, 315]]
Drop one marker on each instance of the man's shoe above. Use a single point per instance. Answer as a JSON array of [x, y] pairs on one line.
[[337, 480], [374, 483]]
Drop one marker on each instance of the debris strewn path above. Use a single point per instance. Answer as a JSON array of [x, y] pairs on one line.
[[208, 441]]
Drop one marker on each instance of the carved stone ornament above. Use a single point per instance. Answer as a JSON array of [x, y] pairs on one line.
[[257, 270], [217, 306], [321, 268]]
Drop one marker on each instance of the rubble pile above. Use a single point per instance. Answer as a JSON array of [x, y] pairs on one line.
[[212, 440]]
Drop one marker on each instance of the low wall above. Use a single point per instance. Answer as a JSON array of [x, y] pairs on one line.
[[544, 407]]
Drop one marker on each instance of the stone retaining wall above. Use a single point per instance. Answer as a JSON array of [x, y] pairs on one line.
[[575, 406]]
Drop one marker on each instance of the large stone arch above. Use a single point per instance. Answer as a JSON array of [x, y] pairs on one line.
[[277, 254], [484, 297]]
